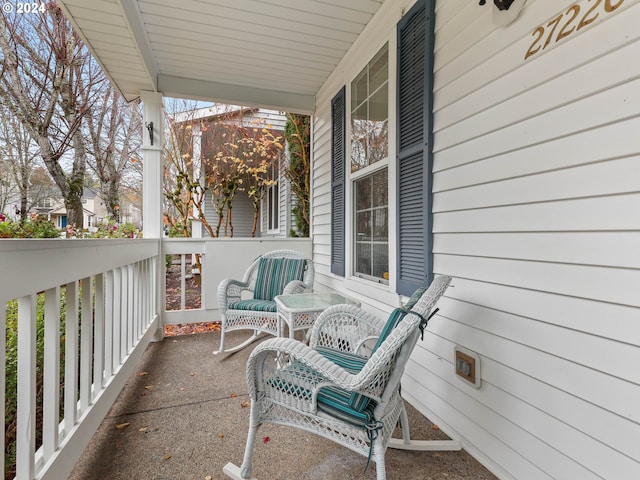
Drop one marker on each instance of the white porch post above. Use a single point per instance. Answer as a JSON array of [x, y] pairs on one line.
[[152, 165], [152, 187]]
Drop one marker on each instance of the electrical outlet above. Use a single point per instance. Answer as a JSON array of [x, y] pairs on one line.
[[467, 366]]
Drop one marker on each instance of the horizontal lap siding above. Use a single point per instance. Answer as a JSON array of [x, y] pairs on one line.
[[537, 216]]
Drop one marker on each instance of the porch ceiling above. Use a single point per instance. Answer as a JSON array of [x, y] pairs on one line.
[[272, 53]]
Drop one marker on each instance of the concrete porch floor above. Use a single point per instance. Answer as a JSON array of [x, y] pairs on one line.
[[183, 415]]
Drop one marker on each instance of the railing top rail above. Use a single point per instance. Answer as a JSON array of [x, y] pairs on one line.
[[30, 266]]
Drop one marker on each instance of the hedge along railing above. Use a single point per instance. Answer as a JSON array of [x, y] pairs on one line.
[[110, 307]]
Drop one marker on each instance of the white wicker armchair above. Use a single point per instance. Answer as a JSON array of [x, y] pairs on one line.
[[273, 273], [336, 387]]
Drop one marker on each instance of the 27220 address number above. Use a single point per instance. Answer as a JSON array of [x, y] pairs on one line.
[[569, 22]]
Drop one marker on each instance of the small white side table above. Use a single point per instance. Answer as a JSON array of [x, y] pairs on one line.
[[299, 311]]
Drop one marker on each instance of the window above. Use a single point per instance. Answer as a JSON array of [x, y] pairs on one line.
[[370, 148], [366, 113]]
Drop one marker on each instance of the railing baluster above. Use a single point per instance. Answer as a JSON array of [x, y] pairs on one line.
[[71, 359], [129, 305], [26, 422], [51, 386], [108, 325], [98, 336], [117, 318], [183, 281], [86, 344]]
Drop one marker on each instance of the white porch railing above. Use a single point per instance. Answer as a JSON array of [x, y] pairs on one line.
[[106, 292], [107, 297]]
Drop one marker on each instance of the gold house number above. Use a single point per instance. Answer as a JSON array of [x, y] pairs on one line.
[[569, 22]]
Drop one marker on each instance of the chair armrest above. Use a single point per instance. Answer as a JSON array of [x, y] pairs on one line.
[[230, 290], [295, 286], [345, 328]]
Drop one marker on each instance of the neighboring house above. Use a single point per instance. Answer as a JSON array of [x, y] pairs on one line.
[[446, 140], [130, 211], [93, 210], [209, 125]]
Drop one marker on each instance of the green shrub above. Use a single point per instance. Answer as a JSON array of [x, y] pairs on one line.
[[35, 226]]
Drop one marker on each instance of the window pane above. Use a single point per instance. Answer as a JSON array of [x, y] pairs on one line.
[[359, 89], [363, 226], [363, 194], [378, 70], [380, 186], [359, 138]]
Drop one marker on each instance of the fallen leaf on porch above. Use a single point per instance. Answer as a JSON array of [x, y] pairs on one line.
[[120, 426], [221, 435], [265, 439], [245, 404], [233, 395], [167, 456], [148, 387], [142, 374], [143, 429], [435, 427], [191, 328]]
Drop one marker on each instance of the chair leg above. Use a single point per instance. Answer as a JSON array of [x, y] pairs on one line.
[[420, 445], [239, 347], [378, 456], [245, 469]]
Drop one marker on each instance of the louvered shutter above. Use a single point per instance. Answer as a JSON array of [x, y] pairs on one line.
[[415, 67], [338, 165]]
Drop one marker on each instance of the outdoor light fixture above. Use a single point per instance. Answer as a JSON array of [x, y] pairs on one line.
[[506, 11], [150, 130]]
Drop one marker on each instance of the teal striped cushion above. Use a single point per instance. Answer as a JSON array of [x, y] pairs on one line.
[[274, 274], [255, 305], [397, 315], [332, 400], [394, 319], [352, 363], [337, 402], [414, 298]]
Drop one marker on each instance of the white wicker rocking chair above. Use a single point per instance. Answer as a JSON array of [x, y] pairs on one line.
[[273, 273], [334, 388]]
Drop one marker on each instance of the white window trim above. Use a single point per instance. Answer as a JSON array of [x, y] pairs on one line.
[[353, 282]]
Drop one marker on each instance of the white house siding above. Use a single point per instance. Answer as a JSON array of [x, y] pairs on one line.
[[537, 217], [242, 216]]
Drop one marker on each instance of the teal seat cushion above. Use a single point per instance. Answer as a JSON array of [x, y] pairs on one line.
[[331, 400], [337, 403], [254, 305], [274, 274]]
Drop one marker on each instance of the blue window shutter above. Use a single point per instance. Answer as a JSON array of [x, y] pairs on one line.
[[414, 156], [338, 166]]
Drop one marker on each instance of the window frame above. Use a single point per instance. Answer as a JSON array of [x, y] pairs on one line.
[[355, 279]]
